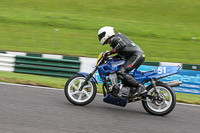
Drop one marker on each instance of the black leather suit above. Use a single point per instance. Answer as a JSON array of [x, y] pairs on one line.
[[133, 55]]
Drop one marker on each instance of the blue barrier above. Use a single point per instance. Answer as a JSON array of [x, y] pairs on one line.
[[190, 79]]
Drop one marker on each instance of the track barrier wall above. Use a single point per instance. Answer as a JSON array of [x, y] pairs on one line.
[[7, 62], [60, 67]]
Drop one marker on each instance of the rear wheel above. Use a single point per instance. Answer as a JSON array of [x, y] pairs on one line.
[[161, 104], [77, 97]]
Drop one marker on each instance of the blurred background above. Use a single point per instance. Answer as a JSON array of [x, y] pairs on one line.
[[165, 30]]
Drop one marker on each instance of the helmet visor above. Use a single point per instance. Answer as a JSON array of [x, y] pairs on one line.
[[100, 36]]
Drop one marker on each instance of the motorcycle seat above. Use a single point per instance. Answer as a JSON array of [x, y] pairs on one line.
[[145, 73]]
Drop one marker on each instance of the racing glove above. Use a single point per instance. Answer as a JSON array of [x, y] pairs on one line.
[[113, 51], [107, 53]]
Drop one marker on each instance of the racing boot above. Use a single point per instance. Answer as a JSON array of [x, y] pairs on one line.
[[141, 89], [127, 91]]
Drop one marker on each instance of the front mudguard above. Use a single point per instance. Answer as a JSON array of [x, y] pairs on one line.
[[92, 79]]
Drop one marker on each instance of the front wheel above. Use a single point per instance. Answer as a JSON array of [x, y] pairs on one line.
[[77, 97], [162, 104]]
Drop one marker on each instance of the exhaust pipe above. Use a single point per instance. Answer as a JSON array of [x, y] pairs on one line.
[[174, 83]]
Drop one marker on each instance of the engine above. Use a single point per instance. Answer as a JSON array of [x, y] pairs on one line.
[[116, 88]]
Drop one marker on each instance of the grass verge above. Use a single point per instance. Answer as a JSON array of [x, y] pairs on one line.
[[60, 83], [165, 30]]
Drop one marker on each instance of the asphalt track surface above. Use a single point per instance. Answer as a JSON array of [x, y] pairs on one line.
[[25, 109]]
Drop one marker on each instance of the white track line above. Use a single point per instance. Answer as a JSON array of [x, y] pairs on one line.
[[189, 104], [32, 86], [56, 89]]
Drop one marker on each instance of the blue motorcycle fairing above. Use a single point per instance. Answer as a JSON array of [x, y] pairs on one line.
[[160, 72], [113, 65], [115, 100], [86, 74]]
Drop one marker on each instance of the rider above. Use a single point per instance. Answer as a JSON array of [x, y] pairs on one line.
[[125, 48]]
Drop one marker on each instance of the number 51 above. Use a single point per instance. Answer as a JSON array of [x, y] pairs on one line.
[[161, 70]]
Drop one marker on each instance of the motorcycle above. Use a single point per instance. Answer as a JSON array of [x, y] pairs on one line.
[[159, 98]]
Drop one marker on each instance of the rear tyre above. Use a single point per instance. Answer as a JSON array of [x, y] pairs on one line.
[[162, 106], [77, 97]]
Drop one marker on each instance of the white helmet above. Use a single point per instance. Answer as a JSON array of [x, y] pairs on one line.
[[104, 33]]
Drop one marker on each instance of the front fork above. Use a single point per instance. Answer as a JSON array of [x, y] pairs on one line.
[[87, 79]]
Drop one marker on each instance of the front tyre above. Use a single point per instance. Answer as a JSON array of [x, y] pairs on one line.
[[161, 105], [77, 97]]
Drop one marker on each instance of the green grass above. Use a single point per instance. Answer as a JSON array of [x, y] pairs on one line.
[[29, 79], [60, 83], [163, 29], [188, 98]]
